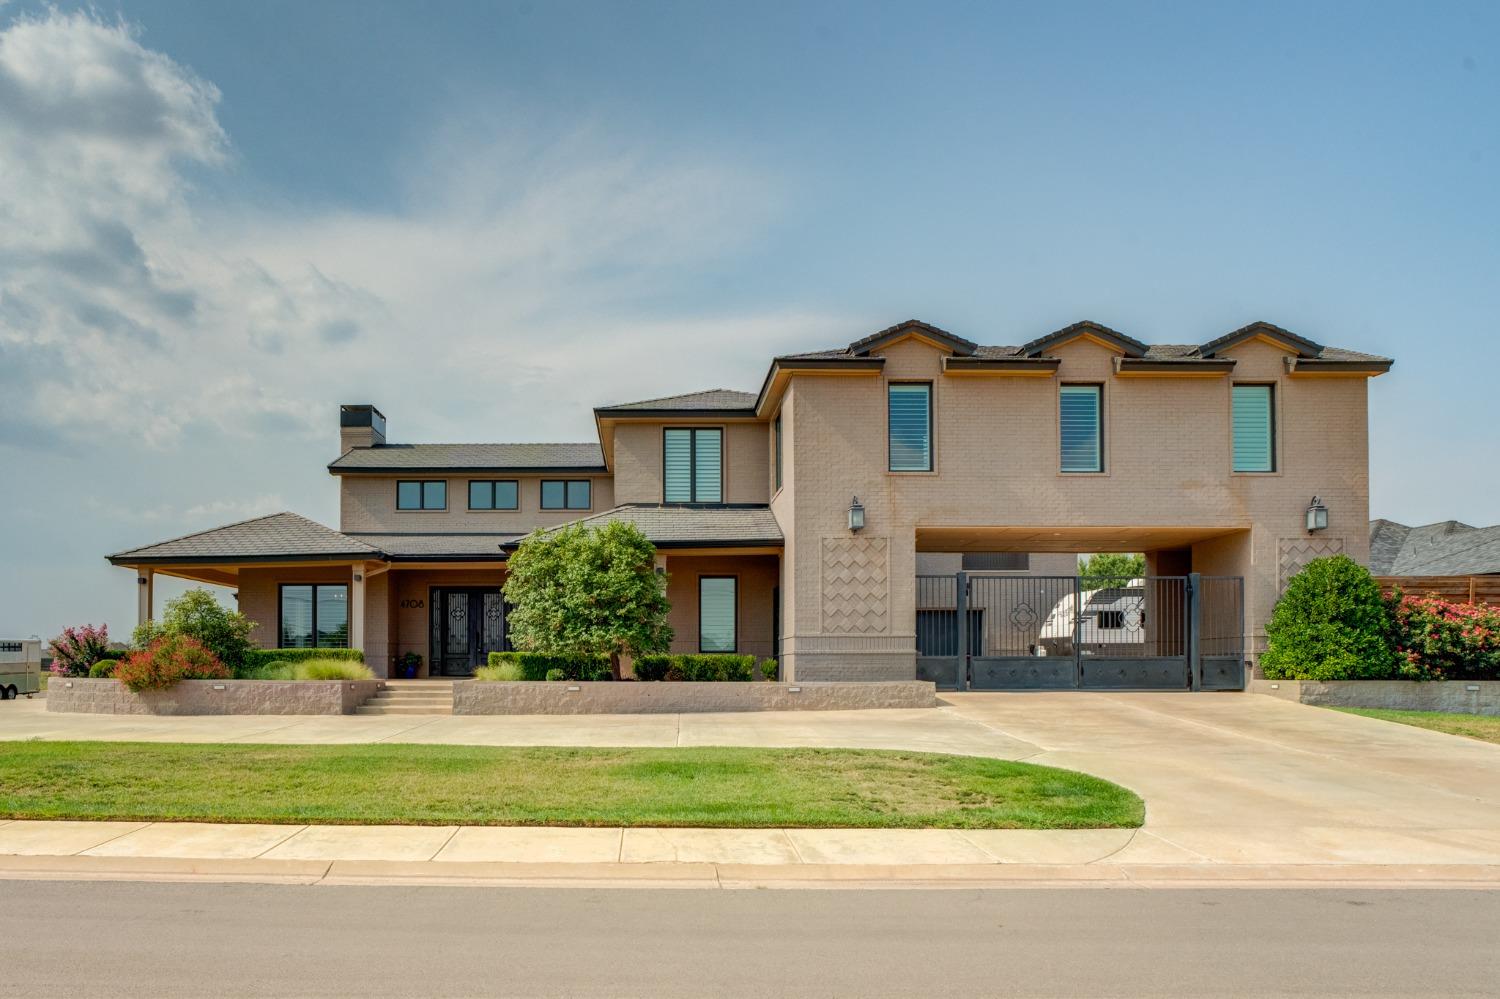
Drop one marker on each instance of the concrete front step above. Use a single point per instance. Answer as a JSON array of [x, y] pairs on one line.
[[404, 709], [415, 695]]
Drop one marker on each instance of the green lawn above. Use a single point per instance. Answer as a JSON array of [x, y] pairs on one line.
[[1485, 727], [481, 785]]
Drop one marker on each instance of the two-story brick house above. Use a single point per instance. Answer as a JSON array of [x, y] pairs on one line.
[[796, 521]]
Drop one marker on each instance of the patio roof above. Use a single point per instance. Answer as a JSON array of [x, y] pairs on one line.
[[677, 525]]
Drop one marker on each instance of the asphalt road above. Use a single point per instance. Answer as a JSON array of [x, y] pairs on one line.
[[139, 939]]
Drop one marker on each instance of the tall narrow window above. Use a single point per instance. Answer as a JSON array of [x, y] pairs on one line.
[[314, 616], [1254, 423], [909, 409], [716, 613], [777, 433], [430, 495], [1080, 425], [692, 465]]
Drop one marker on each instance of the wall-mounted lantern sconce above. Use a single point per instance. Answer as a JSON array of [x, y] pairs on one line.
[[1317, 516], [856, 515]]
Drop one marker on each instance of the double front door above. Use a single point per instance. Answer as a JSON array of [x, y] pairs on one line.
[[468, 623]]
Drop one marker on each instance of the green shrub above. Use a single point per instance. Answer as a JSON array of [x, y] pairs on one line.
[[103, 669], [167, 660], [331, 669], [256, 659], [1331, 624], [536, 665], [768, 669], [703, 667], [197, 615], [500, 671], [279, 669], [556, 674]]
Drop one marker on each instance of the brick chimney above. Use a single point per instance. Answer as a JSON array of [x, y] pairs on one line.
[[360, 425]]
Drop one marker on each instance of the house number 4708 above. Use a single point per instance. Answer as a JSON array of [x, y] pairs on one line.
[[413, 603]]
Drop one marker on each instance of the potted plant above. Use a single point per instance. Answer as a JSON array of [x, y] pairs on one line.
[[407, 665]]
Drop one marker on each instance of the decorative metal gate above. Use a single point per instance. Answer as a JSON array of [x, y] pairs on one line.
[[1071, 632]]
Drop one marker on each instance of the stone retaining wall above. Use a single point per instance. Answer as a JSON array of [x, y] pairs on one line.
[[522, 697], [1473, 697], [211, 697]]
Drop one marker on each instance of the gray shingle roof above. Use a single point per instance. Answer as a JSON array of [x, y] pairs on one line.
[[669, 525], [1447, 548], [425, 546], [275, 536], [708, 399], [471, 458], [1157, 351]]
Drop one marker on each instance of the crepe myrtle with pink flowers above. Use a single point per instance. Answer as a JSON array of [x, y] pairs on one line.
[[76, 649]]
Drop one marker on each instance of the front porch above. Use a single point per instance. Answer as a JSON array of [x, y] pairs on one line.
[[439, 598]]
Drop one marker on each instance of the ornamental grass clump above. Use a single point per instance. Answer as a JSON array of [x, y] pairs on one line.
[[1331, 624], [168, 660], [331, 669]]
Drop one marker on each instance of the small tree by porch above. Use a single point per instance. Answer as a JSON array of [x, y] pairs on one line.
[[578, 590]]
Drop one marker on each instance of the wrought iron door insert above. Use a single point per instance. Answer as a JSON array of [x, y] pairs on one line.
[[468, 623]]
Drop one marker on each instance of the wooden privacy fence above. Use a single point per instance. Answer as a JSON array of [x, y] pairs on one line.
[[1461, 589]]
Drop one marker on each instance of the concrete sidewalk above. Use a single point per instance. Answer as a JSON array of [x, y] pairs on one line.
[[713, 858]]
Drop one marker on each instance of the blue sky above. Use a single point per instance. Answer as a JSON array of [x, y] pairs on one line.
[[225, 219]]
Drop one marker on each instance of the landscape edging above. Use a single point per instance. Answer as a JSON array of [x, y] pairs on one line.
[[87, 695], [584, 697]]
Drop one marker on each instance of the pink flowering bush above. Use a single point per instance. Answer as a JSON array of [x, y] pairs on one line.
[[76, 649], [1437, 639]]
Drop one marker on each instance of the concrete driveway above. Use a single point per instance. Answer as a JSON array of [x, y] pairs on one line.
[[1227, 778]]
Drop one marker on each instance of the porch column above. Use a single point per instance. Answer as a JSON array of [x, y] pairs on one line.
[[357, 607], [145, 584]]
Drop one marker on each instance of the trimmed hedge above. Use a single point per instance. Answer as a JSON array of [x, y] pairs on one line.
[[698, 667], [536, 665], [257, 659], [103, 669]]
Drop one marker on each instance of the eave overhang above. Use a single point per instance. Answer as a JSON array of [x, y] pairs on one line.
[[1043, 367], [782, 370], [1313, 367], [412, 472], [1183, 367]]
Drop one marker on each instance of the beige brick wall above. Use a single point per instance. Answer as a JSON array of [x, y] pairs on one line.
[[1167, 458], [758, 576], [638, 461], [368, 503]]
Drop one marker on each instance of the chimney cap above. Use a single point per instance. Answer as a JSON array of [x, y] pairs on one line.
[[361, 414]]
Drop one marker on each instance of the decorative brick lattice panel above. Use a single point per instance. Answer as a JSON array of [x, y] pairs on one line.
[[856, 591], [1296, 552]]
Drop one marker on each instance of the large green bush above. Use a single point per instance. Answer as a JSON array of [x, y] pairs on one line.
[[103, 669], [536, 666], [257, 659], [699, 667], [1331, 624], [197, 615]]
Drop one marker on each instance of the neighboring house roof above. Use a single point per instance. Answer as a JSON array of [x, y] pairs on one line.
[[584, 457], [1447, 548], [276, 537], [696, 402], [671, 525]]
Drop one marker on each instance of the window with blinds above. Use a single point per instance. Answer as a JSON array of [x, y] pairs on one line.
[[692, 465], [1080, 428], [909, 408], [1254, 423], [716, 613]]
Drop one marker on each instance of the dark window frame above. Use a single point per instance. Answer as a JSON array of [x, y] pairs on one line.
[[1102, 466], [735, 646], [693, 433], [421, 485], [492, 483], [1272, 427], [931, 428], [542, 494], [280, 607]]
